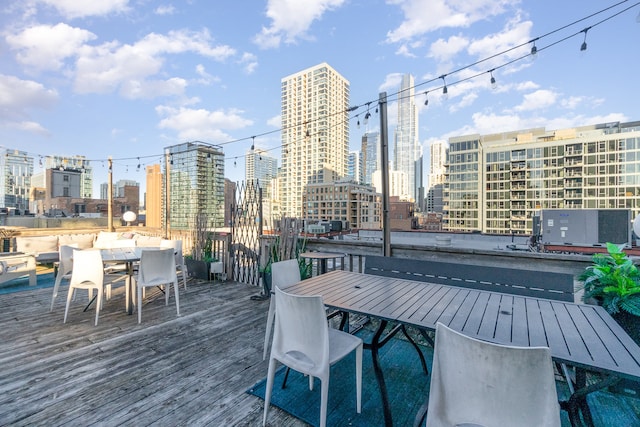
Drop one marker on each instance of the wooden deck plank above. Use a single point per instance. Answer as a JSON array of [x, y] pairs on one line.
[[187, 370]]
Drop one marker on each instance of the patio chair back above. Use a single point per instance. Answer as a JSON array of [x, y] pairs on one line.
[[303, 341], [87, 274], [283, 275], [181, 267], [476, 382], [65, 266], [157, 268]]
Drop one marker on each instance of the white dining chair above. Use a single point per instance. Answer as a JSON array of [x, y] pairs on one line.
[[303, 341], [181, 267], [65, 267], [283, 275], [474, 382], [87, 274], [157, 268]]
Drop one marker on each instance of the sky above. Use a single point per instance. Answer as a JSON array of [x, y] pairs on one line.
[[127, 78]]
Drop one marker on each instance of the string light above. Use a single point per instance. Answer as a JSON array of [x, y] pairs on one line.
[[493, 80], [583, 47], [426, 101], [534, 49], [445, 91]]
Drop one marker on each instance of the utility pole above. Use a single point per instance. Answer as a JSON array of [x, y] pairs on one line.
[[384, 169], [110, 197]]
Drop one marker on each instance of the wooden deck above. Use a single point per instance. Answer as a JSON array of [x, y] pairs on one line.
[[187, 370]]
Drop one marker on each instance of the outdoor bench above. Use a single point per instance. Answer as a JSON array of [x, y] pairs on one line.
[[530, 283]]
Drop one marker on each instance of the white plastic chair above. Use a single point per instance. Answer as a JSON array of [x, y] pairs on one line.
[[480, 383], [87, 274], [157, 268], [283, 275], [65, 267], [181, 267], [303, 341]]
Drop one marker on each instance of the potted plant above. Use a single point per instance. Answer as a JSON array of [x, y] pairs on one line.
[[199, 261], [613, 281]]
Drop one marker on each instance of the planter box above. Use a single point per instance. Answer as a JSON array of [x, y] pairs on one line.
[[197, 269]]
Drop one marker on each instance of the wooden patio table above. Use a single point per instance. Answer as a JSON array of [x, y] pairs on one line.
[[583, 337]]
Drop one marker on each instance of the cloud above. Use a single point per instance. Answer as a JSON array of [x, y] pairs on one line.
[[165, 10], [515, 33], [110, 66], [421, 17], [137, 89], [45, 47], [78, 9], [18, 97], [539, 99], [249, 61], [275, 121], [201, 124], [291, 19], [443, 50]]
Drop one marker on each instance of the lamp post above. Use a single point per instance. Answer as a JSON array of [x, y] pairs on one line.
[[110, 197]]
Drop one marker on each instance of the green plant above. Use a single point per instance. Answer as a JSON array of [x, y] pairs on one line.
[[613, 280]]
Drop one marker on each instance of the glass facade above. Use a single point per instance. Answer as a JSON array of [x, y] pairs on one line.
[[15, 180], [196, 184]]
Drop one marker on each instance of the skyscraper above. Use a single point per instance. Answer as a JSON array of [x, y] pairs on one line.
[[407, 153], [15, 179], [196, 184], [77, 163], [259, 165], [315, 132], [354, 166], [370, 155]]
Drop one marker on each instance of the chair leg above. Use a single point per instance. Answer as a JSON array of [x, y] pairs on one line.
[[270, 317], [66, 309], [56, 287], [359, 378], [139, 303], [267, 393], [175, 290], [324, 393], [99, 304]]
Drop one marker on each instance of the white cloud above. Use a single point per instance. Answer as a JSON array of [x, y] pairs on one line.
[[391, 83], [77, 9], [421, 17], [275, 121], [109, 66], [291, 19], [45, 47], [18, 97], [515, 33], [249, 61], [165, 10], [443, 50], [539, 99], [136, 89], [201, 124]]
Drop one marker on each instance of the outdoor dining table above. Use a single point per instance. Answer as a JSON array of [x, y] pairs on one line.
[[322, 258], [128, 257], [583, 337]]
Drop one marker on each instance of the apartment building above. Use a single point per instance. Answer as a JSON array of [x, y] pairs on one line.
[[496, 183], [195, 184], [315, 132], [356, 205]]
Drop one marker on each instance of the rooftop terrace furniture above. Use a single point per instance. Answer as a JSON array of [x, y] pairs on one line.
[[13, 266], [157, 268], [303, 341], [532, 283], [87, 274], [480, 383]]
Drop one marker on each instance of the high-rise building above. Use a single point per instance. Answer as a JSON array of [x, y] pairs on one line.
[[154, 196], [195, 185], [16, 169], [73, 163], [437, 176], [370, 155], [260, 166], [354, 166], [497, 183], [315, 132], [407, 153]]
